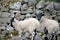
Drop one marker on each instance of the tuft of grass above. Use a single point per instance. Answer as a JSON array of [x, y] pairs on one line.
[[1, 38]]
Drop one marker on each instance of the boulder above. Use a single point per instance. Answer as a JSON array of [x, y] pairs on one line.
[[3, 9], [41, 4], [31, 2], [56, 6], [16, 5], [25, 0], [28, 15], [29, 10], [50, 6], [5, 14], [24, 7]]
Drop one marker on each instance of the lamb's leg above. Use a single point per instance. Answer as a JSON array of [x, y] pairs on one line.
[[32, 36], [20, 33]]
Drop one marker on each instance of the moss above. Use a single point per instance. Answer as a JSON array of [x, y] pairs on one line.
[[14, 33], [1, 38]]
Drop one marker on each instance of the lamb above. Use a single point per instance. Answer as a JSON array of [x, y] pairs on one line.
[[26, 25], [50, 24]]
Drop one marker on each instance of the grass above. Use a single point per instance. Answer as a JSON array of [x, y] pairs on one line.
[[45, 0], [1, 38]]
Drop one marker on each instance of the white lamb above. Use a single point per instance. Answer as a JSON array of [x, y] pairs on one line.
[[27, 25], [50, 24]]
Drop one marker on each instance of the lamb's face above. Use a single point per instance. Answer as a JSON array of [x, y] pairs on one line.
[[15, 23], [39, 16]]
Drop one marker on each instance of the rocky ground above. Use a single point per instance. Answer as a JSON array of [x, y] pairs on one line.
[[8, 7]]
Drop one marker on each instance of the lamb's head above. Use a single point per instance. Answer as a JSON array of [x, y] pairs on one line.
[[39, 16], [15, 23]]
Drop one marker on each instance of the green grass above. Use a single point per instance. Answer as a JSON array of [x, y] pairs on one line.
[[45, 0], [1, 38]]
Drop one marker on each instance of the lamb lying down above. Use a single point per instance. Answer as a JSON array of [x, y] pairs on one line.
[[27, 25]]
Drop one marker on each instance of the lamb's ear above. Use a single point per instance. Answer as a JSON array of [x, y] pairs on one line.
[[42, 14]]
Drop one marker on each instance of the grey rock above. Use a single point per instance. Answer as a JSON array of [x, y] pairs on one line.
[[53, 6], [38, 37], [57, 18], [0, 6], [4, 9], [50, 6], [56, 6], [5, 20], [31, 2], [29, 10], [16, 5], [5, 14], [25, 0], [58, 13], [41, 4], [2, 27], [28, 16], [22, 17], [9, 28], [24, 12], [24, 7]]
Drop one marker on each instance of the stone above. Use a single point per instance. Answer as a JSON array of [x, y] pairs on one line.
[[22, 17], [24, 12], [24, 7], [38, 37], [31, 2], [5, 20], [16, 5], [28, 15], [5, 14], [56, 6], [9, 28], [29, 10], [20, 0], [57, 18], [2, 27], [4, 9], [58, 13], [0, 6], [25, 0], [50, 6], [41, 4]]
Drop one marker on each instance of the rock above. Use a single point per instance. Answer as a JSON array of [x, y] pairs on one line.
[[41, 4], [2, 27], [0, 5], [20, 0], [50, 6], [3, 9], [29, 10], [24, 12], [28, 16], [9, 28], [5, 14], [31, 2], [58, 13], [57, 18], [53, 6], [56, 6], [25, 0], [16, 5], [22, 17], [24, 7], [38, 37], [5, 20]]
